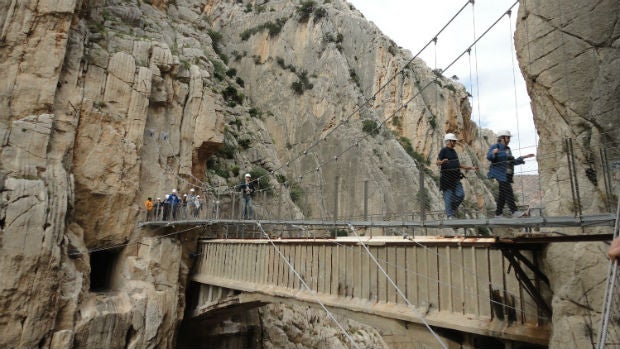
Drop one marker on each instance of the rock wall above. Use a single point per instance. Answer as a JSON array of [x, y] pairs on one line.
[[104, 103], [569, 54]]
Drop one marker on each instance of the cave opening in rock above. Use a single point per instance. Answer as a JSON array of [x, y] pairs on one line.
[[102, 264]]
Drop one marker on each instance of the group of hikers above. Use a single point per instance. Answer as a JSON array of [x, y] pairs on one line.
[[173, 207], [501, 169], [189, 205]]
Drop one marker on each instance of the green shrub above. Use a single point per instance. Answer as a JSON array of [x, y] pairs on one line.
[[235, 170], [240, 82], [339, 232], [433, 122], [232, 96], [302, 84], [281, 178], [226, 151], [219, 69], [222, 172], [319, 13], [296, 193], [406, 144], [396, 122], [262, 177], [245, 143], [274, 28], [255, 113], [305, 10], [355, 78], [231, 72], [370, 127]]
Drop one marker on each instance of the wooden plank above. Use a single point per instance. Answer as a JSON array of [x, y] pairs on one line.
[[315, 268], [350, 271], [468, 277], [343, 282], [432, 260], [362, 283], [298, 249], [356, 254], [335, 271], [423, 276], [281, 266], [373, 273], [286, 274], [272, 267], [382, 276], [309, 265], [391, 262], [412, 275], [401, 274], [445, 278], [321, 269], [239, 269]]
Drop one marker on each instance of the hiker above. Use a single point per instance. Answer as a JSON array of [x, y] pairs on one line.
[[450, 178], [502, 169], [148, 204], [247, 189]]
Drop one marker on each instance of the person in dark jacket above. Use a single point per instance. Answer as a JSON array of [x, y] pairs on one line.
[[247, 189], [450, 178], [502, 169]]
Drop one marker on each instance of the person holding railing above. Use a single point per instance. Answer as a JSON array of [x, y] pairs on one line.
[[502, 169], [450, 177]]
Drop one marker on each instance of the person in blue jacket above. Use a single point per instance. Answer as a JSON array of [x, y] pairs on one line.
[[502, 169], [173, 202]]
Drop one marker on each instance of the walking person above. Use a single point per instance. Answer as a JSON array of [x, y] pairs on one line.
[[502, 169], [247, 189], [166, 208], [450, 177]]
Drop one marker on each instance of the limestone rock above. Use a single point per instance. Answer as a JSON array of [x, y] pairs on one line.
[[569, 56]]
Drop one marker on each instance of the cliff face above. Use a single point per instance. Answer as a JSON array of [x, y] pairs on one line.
[[103, 103], [569, 54]]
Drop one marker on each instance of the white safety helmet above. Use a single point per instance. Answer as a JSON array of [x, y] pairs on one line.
[[174, 190], [248, 175], [167, 196], [449, 137], [504, 133], [191, 189]]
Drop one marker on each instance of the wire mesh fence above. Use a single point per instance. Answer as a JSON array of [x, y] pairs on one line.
[[574, 187]]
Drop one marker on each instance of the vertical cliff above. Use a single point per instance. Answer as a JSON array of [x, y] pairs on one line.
[[104, 103], [569, 54]]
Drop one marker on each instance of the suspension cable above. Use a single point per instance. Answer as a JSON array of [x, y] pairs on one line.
[[403, 296], [303, 282]]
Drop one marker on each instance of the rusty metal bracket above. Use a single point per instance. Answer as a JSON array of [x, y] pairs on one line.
[[512, 256]]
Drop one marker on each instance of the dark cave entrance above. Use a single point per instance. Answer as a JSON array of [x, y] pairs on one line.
[[102, 264]]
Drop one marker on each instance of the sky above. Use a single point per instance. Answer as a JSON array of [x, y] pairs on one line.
[[491, 73]]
